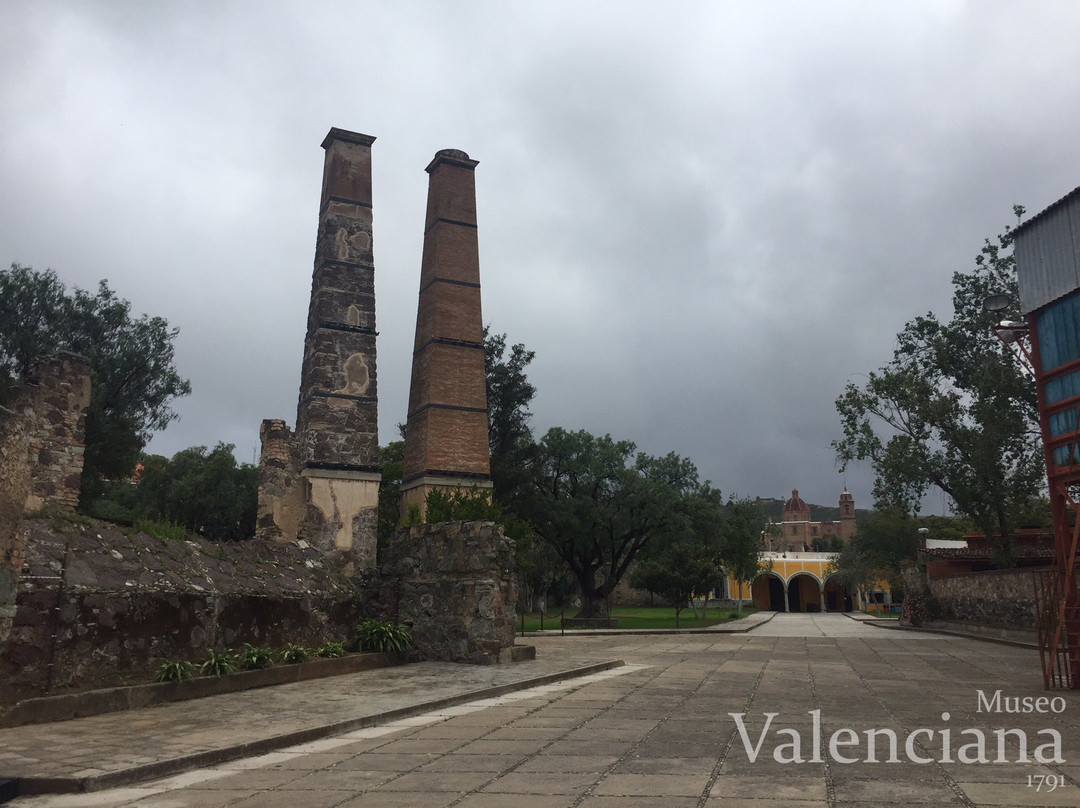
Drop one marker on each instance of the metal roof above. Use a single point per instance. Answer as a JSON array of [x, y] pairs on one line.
[[1047, 251]]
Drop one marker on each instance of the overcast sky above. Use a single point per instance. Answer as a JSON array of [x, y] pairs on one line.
[[704, 217]]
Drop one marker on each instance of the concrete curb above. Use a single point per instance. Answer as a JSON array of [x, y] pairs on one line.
[[743, 628], [949, 632], [163, 768], [64, 707]]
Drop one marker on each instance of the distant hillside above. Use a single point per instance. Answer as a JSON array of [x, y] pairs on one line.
[[819, 513]]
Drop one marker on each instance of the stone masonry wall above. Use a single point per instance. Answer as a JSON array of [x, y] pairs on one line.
[[1003, 598], [98, 607], [453, 582], [58, 393], [14, 486], [281, 490], [41, 459]]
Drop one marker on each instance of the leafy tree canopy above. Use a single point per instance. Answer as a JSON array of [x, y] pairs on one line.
[[133, 372], [509, 393], [741, 540], [953, 409], [206, 492], [598, 504]]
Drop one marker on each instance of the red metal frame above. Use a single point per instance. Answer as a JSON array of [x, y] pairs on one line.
[[1057, 598]]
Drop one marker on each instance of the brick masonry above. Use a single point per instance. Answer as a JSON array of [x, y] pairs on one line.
[[447, 432]]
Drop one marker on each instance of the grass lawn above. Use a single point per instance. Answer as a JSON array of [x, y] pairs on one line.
[[641, 617]]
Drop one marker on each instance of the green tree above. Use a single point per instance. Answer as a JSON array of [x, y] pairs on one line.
[[742, 530], [392, 459], [133, 373], [598, 504], [509, 393], [209, 493], [884, 543], [686, 559], [953, 409]]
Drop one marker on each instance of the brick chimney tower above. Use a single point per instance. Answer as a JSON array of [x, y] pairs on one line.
[[446, 437], [322, 485]]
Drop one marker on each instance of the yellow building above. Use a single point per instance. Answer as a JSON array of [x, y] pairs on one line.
[[806, 582]]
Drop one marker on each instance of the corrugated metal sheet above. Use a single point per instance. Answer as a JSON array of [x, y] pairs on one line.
[[1047, 250]]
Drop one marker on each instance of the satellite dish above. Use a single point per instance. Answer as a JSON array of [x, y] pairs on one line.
[[997, 302]]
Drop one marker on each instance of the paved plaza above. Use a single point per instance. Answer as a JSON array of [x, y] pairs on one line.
[[655, 731]]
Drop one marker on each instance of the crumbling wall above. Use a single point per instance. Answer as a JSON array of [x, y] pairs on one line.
[[281, 491], [99, 607], [58, 392], [14, 486], [453, 582], [41, 460]]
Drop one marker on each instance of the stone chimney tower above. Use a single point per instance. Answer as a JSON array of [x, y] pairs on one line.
[[446, 438], [322, 485]]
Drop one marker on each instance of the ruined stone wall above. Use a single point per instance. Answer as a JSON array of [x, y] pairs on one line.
[[14, 486], [41, 459], [453, 582], [98, 607], [281, 491], [1004, 598], [58, 394]]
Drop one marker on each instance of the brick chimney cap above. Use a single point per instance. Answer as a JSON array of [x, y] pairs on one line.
[[454, 157], [346, 136]]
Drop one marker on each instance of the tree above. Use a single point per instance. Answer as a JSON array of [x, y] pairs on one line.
[[392, 459], [509, 393], [953, 409], [209, 493], [687, 560], [741, 541], [598, 505], [133, 373]]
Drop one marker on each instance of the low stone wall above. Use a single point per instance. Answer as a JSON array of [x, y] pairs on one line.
[[98, 607], [453, 582], [1004, 598]]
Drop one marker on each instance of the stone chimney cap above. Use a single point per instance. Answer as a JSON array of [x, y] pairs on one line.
[[455, 157], [347, 136]]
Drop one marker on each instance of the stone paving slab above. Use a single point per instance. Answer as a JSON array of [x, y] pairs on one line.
[[107, 750], [659, 731]]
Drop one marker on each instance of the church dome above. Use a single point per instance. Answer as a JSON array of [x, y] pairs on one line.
[[796, 505]]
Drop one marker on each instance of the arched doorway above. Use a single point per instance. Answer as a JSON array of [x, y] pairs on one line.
[[768, 592], [836, 599], [804, 593]]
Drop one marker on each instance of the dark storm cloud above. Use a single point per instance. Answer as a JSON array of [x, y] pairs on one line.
[[705, 220]]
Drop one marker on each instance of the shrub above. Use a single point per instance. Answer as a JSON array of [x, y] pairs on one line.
[[163, 530], [218, 663], [380, 635], [331, 650], [175, 671], [254, 657], [293, 653]]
